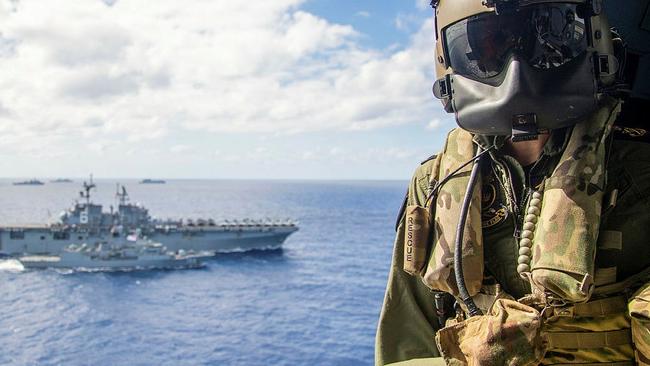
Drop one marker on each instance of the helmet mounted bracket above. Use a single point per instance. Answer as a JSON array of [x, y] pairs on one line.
[[524, 127], [502, 6], [442, 89]]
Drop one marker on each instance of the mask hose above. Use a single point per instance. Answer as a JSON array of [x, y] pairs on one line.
[[458, 250]]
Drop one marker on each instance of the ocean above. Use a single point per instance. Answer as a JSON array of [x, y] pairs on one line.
[[314, 302]]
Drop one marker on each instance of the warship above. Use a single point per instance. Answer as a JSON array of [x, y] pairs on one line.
[[139, 255], [152, 181], [87, 222], [31, 182]]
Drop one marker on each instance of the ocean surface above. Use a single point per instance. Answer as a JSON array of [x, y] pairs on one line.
[[314, 302]]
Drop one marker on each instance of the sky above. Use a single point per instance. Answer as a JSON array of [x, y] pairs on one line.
[[217, 89]]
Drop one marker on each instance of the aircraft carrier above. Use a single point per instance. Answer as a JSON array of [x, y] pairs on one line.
[[87, 222]]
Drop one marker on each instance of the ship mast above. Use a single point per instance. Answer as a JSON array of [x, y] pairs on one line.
[[123, 197], [86, 192]]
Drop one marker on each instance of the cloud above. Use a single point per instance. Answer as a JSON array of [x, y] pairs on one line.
[[4, 112], [128, 72], [99, 85], [434, 124], [423, 4], [335, 151], [363, 14], [7, 47], [94, 122], [109, 2], [180, 149], [408, 22]]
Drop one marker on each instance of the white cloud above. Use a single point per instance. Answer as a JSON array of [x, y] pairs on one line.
[[4, 112], [423, 4], [335, 151], [434, 124], [180, 149], [408, 22], [363, 14], [131, 72]]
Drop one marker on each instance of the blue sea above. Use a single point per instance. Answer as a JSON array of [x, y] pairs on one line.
[[314, 302]]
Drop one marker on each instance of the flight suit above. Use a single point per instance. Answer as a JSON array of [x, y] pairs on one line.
[[410, 318]]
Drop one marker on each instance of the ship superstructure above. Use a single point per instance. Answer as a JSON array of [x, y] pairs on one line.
[[87, 222]]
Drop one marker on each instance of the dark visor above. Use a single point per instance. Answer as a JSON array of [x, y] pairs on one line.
[[546, 36]]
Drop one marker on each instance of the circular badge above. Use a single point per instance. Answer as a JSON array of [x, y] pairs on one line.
[[493, 208]]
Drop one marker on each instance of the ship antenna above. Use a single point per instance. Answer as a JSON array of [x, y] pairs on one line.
[[87, 187], [123, 196], [117, 193]]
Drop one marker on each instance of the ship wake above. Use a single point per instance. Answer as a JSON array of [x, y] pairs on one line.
[[11, 265]]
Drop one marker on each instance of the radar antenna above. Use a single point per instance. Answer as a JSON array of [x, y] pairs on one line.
[[122, 196], [87, 187]]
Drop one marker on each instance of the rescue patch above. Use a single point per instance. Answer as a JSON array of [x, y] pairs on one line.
[[493, 208]]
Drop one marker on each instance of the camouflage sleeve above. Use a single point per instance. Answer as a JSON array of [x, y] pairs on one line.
[[408, 323]]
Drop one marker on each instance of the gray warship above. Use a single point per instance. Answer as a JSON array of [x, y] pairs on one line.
[[139, 255], [31, 182], [86, 222]]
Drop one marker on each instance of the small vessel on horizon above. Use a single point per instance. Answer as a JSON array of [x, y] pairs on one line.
[[31, 182], [129, 256], [152, 181], [62, 180]]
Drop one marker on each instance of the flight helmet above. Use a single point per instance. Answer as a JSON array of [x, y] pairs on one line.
[[522, 67]]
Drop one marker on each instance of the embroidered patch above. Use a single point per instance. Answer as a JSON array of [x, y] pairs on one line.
[[493, 209], [489, 194]]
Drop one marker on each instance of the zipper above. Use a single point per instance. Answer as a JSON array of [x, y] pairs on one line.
[[528, 191]]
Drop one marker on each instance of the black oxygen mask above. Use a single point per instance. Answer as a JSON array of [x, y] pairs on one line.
[[519, 72]]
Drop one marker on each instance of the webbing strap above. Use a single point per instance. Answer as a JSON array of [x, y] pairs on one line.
[[628, 283], [620, 363], [595, 308], [434, 361], [605, 276], [610, 239], [581, 340]]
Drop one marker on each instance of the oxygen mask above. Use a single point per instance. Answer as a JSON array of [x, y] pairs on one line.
[[519, 72]]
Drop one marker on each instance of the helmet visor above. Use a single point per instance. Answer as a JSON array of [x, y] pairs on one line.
[[546, 36]]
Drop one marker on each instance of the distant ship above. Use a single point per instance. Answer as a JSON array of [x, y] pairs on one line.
[[86, 222], [152, 181], [31, 182], [127, 256], [61, 180]]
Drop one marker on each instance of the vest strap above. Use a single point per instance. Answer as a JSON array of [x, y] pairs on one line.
[[604, 276], [595, 308], [620, 363], [610, 239], [629, 283], [582, 340]]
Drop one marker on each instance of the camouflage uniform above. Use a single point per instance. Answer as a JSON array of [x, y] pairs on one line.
[[410, 320]]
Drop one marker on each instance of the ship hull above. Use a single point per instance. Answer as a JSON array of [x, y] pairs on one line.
[[44, 240], [111, 265]]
